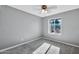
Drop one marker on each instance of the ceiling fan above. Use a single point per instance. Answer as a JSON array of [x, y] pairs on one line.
[[46, 8]]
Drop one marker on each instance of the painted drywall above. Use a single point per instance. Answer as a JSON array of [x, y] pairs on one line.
[[17, 26], [70, 27]]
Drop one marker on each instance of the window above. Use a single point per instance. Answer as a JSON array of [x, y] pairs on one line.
[[54, 26]]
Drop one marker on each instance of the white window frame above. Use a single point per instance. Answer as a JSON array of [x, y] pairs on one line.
[[49, 27]]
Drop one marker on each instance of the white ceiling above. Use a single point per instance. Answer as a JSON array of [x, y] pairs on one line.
[[52, 9]]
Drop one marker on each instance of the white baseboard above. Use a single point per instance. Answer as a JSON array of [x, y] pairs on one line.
[[62, 42], [2, 50]]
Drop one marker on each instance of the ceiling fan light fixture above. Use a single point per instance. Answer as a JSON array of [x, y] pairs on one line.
[[44, 9]]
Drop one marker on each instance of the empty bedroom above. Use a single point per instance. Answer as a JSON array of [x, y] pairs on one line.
[[39, 29]]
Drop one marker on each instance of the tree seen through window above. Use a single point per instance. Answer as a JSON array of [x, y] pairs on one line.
[[55, 25]]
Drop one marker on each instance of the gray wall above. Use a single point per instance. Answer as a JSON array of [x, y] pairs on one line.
[[70, 27], [17, 26]]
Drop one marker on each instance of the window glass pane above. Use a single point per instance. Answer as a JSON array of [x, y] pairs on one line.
[[51, 21], [55, 25], [56, 21], [57, 28]]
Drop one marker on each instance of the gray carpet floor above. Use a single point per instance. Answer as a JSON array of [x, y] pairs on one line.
[[29, 48]]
